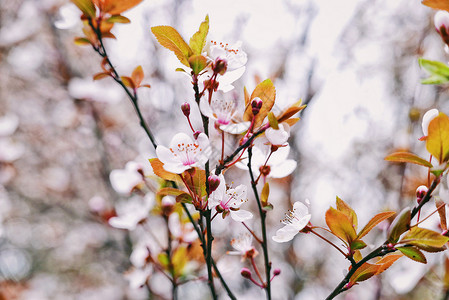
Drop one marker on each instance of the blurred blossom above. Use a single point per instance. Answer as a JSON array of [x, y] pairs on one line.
[[56, 178], [295, 220], [8, 124], [125, 180], [243, 246], [87, 88], [68, 16], [14, 263], [181, 231], [427, 118], [97, 204], [132, 212], [10, 150], [138, 277]]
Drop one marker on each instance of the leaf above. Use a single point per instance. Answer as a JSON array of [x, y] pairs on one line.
[[437, 4], [179, 260], [400, 225], [197, 63], [169, 38], [292, 121], [348, 211], [137, 75], [86, 6], [102, 75], [413, 253], [273, 121], [168, 191], [435, 79], [408, 157], [441, 213], [265, 193], [198, 40], [418, 237], [118, 19], [292, 110], [374, 221], [386, 262], [434, 67], [437, 142], [267, 93], [340, 225], [159, 170], [357, 245], [81, 41], [196, 181], [184, 198], [363, 273], [115, 7], [127, 81]]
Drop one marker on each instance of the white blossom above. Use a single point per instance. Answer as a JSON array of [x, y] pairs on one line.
[[123, 181], [132, 212], [295, 220]]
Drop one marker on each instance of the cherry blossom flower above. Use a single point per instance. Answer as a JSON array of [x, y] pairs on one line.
[[441, 21], [132, 212], [184, 153], [229, 200], [277, 165], [222, 112], [123, 181], [235, 59], [182, 231], [138, 277], [295, 220], [243, 246], [427, 118], [278, 137]]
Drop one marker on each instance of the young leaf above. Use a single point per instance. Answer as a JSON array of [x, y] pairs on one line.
[[198, 40], [86, 6], [437, 142], [365, 272], [265, 193], [102, 75], [348, 211], [340, 225], [357, 245], [400, 225], [273, 121], [437, 4], [168, 191], [434, 67], [197, 63], [267, 93], [184, 198], [386, 262], [159, 170], [413, 253], [116, 7], [374, 221], [179, 260], [291, 111], [137, 75], [80, 41], [418, 237], [118, 19], [408, 158], [169, 38], [127, 81], [442, 213]]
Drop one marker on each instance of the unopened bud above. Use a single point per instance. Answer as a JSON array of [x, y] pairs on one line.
[[219, 209], [265, 170], [196, 134], [256, 105], [214, 182], [245, 272], [421, 191], [276, 272], [441, 21], [185, 107], [220, 66]]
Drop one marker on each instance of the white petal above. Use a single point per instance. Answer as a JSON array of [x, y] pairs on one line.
[[123, 223], [235, 128], [165, 155], [285, 234], [299, 225], [176, 168], [300, 209], [277, 136], [179, 138], [124, 181], [228, 78], [205, 108], [427, 118], [279, 155], [283, 169], [241, 215]]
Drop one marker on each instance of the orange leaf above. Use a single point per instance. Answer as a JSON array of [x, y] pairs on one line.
[[80, 41], [99, 76], [159, 170], [437, 4], [348, 211], [291, 111], [116, 7], [437, 142], [137, 75], [127, 81], [267, 93], [374, 221], [408, 157], [340, 225], [365, 272]]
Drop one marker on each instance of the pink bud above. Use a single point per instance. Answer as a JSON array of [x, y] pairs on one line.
[[421, 191], [185, 107], [214, 182], [256, 105], [441, 21], [245, 272], [196, 134], [220, 66], [276, 272]]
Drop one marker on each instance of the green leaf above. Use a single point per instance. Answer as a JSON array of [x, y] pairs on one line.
[[374, 221], [86, 6], [413, 253], [435, 79], [81, 41], [184, 198], [409, 158], [267, 93], [168, 37], [198, 40], [363, 273], [163, 259], [118, 19], [265, 193], [348, 211], [400, 225], [434, 67], [418, 237], [437, 142], [357, 245], [340, 225], [197, 63], [273, 121]]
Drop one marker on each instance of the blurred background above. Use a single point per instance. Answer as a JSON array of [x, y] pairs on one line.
[[354, 63]]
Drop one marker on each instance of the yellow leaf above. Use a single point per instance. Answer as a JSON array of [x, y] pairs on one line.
[[159, 170], [137, 75], [127, 81], [340, 225], [348, 211], [437, 142], [374, 221], [86, 6], [437, 4], [267, 93], [198, 40], [265, 193], [99, 76], [169, 38], [408, 157], [424, 237]]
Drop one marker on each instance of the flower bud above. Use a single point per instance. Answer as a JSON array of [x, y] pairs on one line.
[[245, 272], [441, 21], [256, 105], [421, 191], [196, 134], [220, 66], [276, 272], [185, 107], [214, 182]]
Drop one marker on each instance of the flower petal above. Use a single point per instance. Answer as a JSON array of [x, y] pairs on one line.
[[235, 128], [241, 215], [285, 234], [283, 169]]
